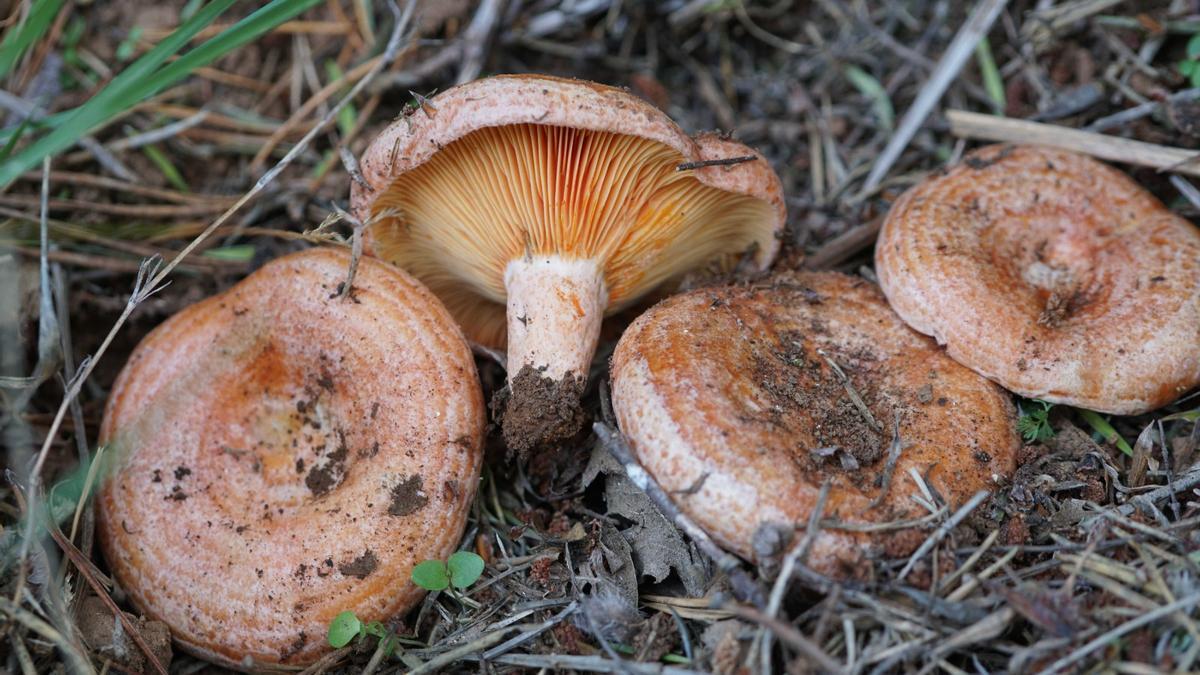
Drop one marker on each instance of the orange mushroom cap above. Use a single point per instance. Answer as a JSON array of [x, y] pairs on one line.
[[741, 403], [1052, 274], [553, 202], [282, 455]]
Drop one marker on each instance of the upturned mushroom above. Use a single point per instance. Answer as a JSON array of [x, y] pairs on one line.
[[742, 402], [1052, 274], [555, 202], [282, 454]]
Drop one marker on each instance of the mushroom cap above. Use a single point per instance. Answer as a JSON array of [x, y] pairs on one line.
[[730, 401], [516, 165], [281, 455], [1052, 274]]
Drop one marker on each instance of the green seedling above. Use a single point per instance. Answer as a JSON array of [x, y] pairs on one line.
[[1189, 67], [347, 626], [460, 571], [1034, 423]]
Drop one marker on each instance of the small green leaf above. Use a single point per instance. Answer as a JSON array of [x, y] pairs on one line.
[[375, 628], [1034, 423], [1195, 78], [431, 575], [1186, 68], [465, 568], [343, 629], [1193, 46]]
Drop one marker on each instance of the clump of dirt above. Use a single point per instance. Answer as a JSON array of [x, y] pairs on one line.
[[407, 496], [537, 411], [327, 475], [361, 567], [103, 634], [803, 384]]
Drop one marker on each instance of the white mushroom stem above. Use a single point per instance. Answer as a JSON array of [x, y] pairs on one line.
[[555, 306]]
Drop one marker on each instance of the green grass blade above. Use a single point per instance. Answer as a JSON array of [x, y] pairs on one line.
[[18, 39], [11, 143], [113, 98], [166, 167], [242, 32], [992, 81], [872, 89], [1102, 427], [144, 78]]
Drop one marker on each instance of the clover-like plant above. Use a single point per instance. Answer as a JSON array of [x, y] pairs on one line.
[[347, 626], [460, 571]]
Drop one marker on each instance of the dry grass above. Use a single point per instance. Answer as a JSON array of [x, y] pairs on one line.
[[1086, 561]]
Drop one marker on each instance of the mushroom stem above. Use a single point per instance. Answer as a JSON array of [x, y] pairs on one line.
[[555, 306]]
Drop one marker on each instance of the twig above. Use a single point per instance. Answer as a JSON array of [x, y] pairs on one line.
[[728, 161], [594, 664], [446, 658], [960, 49], [1139, 111], [1108, 637], [845, 246], [889, 467], [744, 588], [160, 134], [1112, 148], [531, 633], [475, 39], [356, 251], [1185, 482], [944, 529], [85, 568], [31, 621], [798, 552], [790, 635], [364, 72], [852, 393]]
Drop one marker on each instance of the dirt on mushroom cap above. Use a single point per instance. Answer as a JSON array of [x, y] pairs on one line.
[[259, 437], [1051, 273], [760, 394]]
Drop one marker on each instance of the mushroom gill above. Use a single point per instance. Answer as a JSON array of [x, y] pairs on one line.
[[503, 193]]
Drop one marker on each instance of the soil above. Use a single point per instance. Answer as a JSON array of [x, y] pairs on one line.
[[801, 383], [102, 633], [407, 497], [539, 412], [362, 566], [327, 475]]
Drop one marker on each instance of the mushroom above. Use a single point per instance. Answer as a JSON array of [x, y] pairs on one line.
[[1052, 274], [555, 202], [281, 454], [743, 401]]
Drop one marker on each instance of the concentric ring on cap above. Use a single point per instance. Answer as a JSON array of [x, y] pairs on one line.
[[741, 402], [1052, 274]]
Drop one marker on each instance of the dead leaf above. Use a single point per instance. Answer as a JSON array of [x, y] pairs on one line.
[[658, 547]]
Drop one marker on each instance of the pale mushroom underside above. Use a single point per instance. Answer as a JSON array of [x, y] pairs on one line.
[[502, 193]]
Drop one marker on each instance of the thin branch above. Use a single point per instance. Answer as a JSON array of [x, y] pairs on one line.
[[960, 49]]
